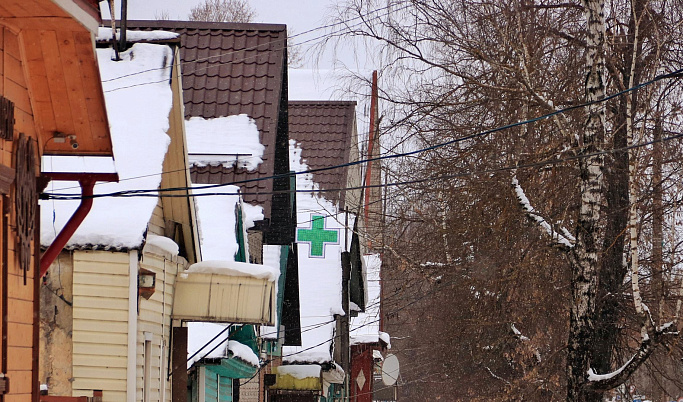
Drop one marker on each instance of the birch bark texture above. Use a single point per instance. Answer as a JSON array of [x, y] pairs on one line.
[[559, 244], [585, 254]]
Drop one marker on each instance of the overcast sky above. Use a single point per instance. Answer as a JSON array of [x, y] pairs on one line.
[[299, 16]]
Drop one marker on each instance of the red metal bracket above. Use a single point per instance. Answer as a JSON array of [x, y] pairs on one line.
[[87, 182]]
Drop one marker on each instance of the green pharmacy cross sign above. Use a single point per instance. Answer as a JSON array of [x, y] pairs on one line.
[[317, 236]]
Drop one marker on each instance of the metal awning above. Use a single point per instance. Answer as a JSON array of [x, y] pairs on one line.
[[235, 299]]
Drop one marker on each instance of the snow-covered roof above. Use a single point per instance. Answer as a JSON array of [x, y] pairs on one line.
[[319, 268], [104, 34], [211, 141], [138, 98], [224, 140], [365, 326], [300, 371], [161, 245], [217, 222], [233, 268], [199, 344]]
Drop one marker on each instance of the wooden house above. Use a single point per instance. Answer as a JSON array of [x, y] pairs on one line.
[[323, 135], [106, 302], [233, 71], [50, 99]]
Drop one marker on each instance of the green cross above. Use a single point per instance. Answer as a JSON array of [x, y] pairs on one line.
[[317, 235]]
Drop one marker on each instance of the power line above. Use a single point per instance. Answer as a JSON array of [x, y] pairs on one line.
[[354, 329], [674, 74], [155, 193], [208, 58]]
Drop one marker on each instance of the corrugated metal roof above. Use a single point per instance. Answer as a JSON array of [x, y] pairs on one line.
[[230, 69], [324, 129]]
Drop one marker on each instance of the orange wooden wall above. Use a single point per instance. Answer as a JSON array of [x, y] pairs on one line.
[[21, 347]]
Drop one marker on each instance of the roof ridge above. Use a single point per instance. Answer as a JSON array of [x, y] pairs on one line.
[[322, 102], [222, 26]]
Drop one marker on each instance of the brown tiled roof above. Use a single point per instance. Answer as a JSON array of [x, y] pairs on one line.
[[324, 129], [230, 69]]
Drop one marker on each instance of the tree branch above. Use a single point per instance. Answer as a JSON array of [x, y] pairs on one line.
[[603, 382], [564, 240]]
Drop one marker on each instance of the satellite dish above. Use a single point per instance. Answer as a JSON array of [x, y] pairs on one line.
[[390, 370]]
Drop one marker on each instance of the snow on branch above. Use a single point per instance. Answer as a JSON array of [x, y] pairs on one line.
[[563, 239], [517, 333], [619, 376], [497, 376], [523, 338]]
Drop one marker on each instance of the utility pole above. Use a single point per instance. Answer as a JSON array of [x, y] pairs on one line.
[[345, 342], [345, 320], [124, 24]]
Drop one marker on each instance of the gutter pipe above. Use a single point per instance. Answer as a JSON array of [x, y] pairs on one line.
[[87, 182]]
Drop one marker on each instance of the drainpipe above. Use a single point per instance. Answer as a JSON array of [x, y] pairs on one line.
[[87, 183]]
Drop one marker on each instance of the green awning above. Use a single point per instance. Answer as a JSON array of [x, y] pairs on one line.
[[230, 367]]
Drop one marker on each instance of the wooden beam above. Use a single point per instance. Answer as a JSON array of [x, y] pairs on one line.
[[55, 78], [75, 90], [94, 97]]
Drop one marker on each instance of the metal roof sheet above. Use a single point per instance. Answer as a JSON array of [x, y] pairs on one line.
[[324, 129], [230, 69]]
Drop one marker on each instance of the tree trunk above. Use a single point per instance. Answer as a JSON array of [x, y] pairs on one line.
[[658, 288], [585, 255], [612, 268]]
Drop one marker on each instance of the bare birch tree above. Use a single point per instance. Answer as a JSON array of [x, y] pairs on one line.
[[223, 11], [465, 67]]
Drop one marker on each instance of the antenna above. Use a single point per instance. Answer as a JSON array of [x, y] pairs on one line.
[[390, 370]]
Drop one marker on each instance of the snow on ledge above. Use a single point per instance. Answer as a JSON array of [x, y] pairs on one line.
[[200, 344], [231, 140], [233, 268], [243, 352], [77, 164], [161, 245], [300, 371], [384, 337], [104, 34], [138, 108]]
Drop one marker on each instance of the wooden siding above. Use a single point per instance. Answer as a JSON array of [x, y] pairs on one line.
[[156, 223], [100, 323], [155, 319], [64, 88], [217, 388], [179, 211], [20, 293]]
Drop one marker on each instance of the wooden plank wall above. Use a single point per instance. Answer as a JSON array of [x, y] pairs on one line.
[[156, 224], [100, 323], [155, 318], [217, 388], [225, 389], [176, 172], [211, 386], [20, 301]]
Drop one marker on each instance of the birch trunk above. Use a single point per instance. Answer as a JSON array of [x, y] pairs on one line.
[[585, 254], [658, 287]]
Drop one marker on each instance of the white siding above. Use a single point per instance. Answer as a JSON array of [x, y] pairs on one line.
[[100, 323], [155, 318], [156, 224]]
